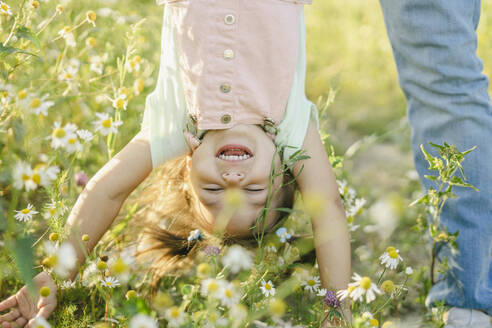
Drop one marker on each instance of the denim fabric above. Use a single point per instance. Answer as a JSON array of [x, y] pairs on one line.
[[434, 44]]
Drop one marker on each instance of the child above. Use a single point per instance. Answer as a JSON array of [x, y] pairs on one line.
[[230, 92]]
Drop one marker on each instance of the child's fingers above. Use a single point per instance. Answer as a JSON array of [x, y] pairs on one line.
[[21, 322], [8, 303], [11, 316]]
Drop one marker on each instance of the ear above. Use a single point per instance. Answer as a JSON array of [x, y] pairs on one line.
[[192, 141]]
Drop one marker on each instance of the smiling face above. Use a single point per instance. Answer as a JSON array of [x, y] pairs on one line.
[[236, 158]]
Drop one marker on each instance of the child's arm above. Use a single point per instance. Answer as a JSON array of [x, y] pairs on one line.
[[101, 200], [331, 236]]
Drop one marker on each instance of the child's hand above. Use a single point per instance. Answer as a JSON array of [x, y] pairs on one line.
[[24, 309]]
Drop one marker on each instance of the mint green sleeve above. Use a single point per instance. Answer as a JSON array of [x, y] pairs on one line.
[[299, 110], [165, 108]]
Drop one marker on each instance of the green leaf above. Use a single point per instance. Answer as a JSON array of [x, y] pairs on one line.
[[24, 260], [26, 33], [8, 50], [424, 199], [457, 181]]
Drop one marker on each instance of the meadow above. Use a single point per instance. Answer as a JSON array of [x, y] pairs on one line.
[[83, 69]]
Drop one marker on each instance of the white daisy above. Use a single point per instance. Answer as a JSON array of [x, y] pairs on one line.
[[85, 135], [24, 176], [175, 316], [61, 258], [67, 34], [96, 64], [25, 214], [134, 64], [67, 284], [228, 295], [311, 284], [5, 9], [267, 288], [363, 286], [110, 282], [54, 210], [105, 124], [283, 234], [47, 174], [142, 321], [120, 102], [391, 258], [73, 145], [237, 258], [321, 292], [211, 286], [60, 135], [41, 322]]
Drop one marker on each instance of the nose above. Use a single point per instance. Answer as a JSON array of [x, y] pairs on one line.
[[233, 177]]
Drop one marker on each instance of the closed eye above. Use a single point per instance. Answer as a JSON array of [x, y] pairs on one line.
[[254, 189], [215, 189]]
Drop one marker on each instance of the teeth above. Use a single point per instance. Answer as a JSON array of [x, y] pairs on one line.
[[234, 157]]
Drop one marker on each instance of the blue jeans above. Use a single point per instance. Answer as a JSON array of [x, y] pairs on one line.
[[434, 44]]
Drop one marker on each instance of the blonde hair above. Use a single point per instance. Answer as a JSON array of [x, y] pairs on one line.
[[169, 213]]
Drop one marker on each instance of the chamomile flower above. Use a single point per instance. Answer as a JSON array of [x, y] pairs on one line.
[[283, 234], [85, 135], [110, 282], [60, 135], [228, 295], [267, 288], [96, 64], [61, 258], [363, 286], [73, 145], [66, 33], [24, 176], [175, 316], [142, 321], [311, 284], [5, 9], [391, 258], [134, 64], [67, 284], [41, 322], [105, 124], [211, 286], [54, 209], [25, 214], [237, 258], [120, 102], [408, 271], [47, 174], [138, 85], [39, 106]]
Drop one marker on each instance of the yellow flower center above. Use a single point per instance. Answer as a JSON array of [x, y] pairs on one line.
[[228, 293], [59, 133], [25, 177], [91, 16], [268, 286], [4, 7], [139, 85], [119, 266], [351, 289], [52, 211], [36, 178], [67, 29], [22, 94], [106, 123], [388, 286], [72, 141], [137, 58], [25, 211], [213, 286], [91, 41], [174, 312], [109, 283], [365, 283], [120, 103], [374, 322], [35, 103], [4, 94], [311, 282], [390, 249], [393, 254]]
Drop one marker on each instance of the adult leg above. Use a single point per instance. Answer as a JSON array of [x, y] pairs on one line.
[[434, 45]]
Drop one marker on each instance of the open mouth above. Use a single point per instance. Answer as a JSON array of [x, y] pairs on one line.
[[234, 153]]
